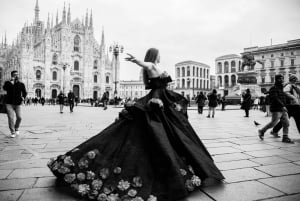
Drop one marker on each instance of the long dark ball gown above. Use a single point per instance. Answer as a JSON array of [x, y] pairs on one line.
[[150, 153]]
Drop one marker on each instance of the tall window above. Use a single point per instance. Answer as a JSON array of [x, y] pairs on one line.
[[207, 73], [263, 80], [54, 75], [197, 74], [95, 79], [188, 71], [107, 79], [272, 79], [77, 43], [233, 66], [182, 72], [219, 67], [193, 70], [292, 62], [200, 72], [76, 65], [263, 65], [204, 73], [38, 74], [281, 63], [178, 72], [95, 64], [183, 83], [272, 64], [226, 67], [54, 59]]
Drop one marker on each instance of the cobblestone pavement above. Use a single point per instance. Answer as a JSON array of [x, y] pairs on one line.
[[254, 169]]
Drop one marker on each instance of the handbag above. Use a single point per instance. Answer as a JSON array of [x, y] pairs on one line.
[[2, 105]]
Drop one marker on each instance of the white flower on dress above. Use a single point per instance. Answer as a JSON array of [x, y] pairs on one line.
[[83, 189], [50, 162], [90, 175], [137, 199], [91, 154], [83, 163], [183, 172], [189, 185], [196, 180], [63, 170], [81, 176], [117, 170], [152, 198], [102, 197], [137, 182], [123, 185], [97, 184], [69, 178], [55, 166], [68, 161], [113, 197], [132, 192], [104, 173]]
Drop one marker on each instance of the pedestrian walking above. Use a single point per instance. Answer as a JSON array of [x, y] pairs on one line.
[[71, 100], [246, 104], [212, 103], [223, 102], [278, 109], [15, 94], [293, 104], [150, 153], [43, 101], [200, 100], [104, 99], [61, 101]]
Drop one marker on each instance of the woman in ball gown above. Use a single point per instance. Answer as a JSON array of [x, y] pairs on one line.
[[150, 153]]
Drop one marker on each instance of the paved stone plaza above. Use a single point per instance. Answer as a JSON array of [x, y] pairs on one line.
[[254, 170]]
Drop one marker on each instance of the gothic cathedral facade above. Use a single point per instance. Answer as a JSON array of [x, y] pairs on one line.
[[61, 57]]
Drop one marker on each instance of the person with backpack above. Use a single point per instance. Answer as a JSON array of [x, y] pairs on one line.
[[278, 109], [212, 103], [293, 104]]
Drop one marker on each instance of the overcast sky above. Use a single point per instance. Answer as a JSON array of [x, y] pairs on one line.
[[198, 30]]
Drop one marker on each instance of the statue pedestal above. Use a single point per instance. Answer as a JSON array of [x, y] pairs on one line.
[[247, 80]]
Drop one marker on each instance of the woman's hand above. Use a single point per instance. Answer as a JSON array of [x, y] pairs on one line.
[[130, 58]]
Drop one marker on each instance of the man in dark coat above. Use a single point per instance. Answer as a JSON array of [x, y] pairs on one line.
[[200, 100], [71, 100], [15, 95], [246, 104], [278, 109]]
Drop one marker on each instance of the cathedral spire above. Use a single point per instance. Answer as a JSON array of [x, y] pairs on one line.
[[36, 12], [57, 17], [91, 20], [51, 20], [69, 15], [102, 38], [5, 44], [48, 23], [64, 15], [86, 19]]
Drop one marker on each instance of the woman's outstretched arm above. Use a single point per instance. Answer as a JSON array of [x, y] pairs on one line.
[[146, 65]]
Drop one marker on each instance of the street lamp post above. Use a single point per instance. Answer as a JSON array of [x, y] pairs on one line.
[[116, 50], [64, 66]]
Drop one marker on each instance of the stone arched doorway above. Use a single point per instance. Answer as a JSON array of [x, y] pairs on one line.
[[38, 93], [76, 90], [53, 93]]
